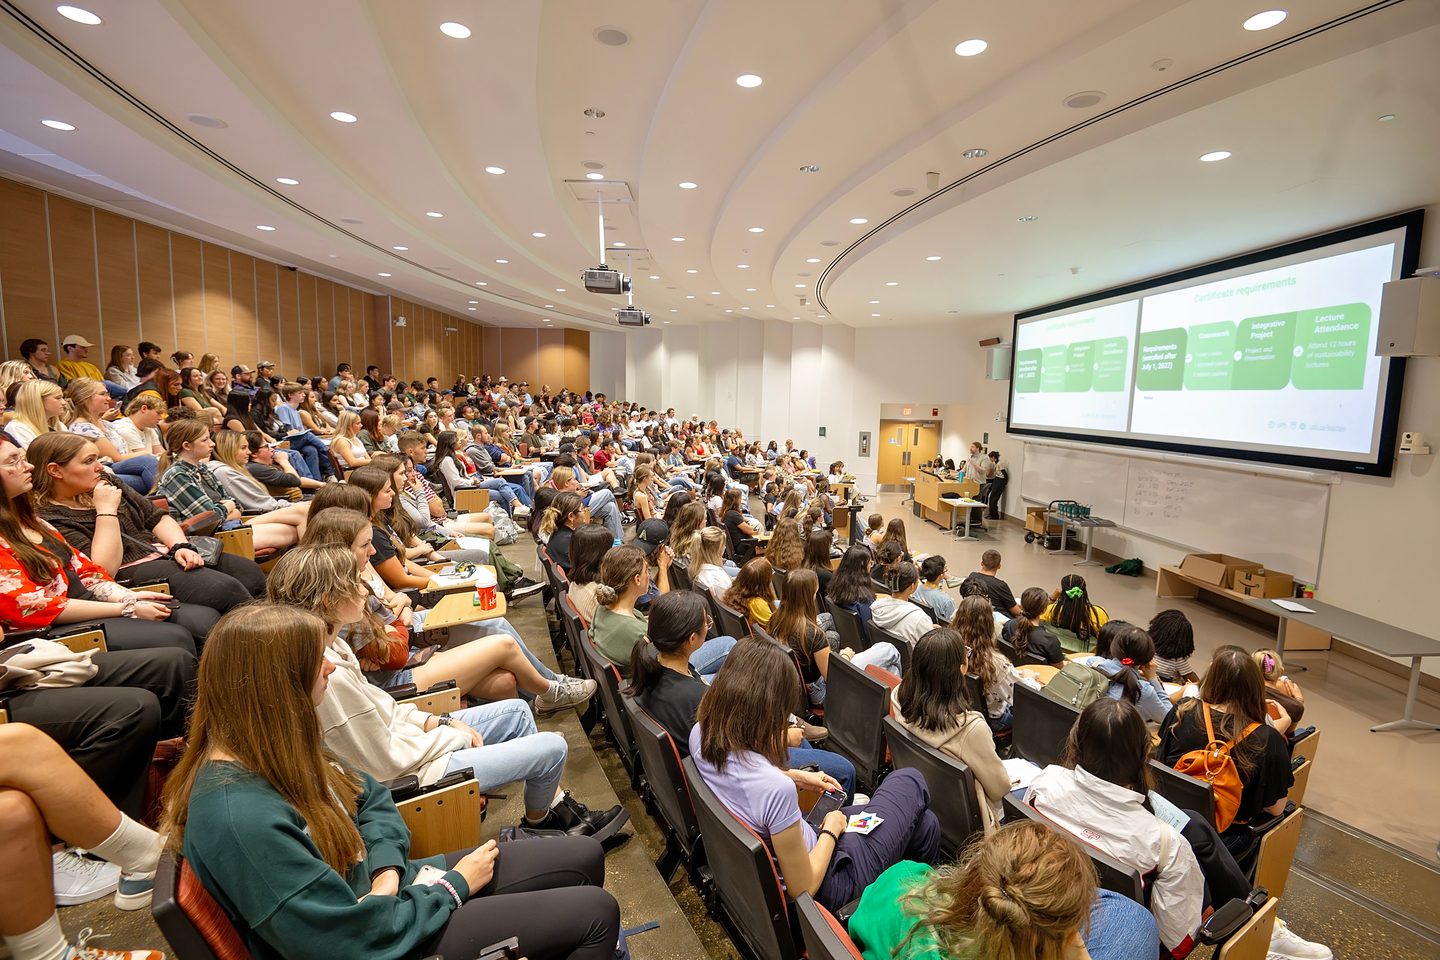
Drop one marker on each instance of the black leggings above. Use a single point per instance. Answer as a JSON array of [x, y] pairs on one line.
[[547, 893], [186, 628], [1224, 880], [235, 581]]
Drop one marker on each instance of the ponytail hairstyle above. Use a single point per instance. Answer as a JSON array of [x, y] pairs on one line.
[[1105, 639], [1021, 893], [754, 583], [974, 621], [561, 509], [709, 548], [1032, 604], [674, 618], [1073, 610], [619, 568], [1134, 649], [1271, 667], [80, 392], [181, 432]]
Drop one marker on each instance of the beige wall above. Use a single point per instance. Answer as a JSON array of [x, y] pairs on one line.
[[67, 267]]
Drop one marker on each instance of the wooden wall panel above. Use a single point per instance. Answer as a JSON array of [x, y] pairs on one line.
[[577, 360], [267, 316], [72, 258], [157, 294], [29, 306], [117, 280], [119, 286], [520, 353], [551, 357], [219, 336], [187, 268], [242, 305]]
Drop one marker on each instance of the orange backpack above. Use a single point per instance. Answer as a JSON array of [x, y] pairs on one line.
[[1214, 765]]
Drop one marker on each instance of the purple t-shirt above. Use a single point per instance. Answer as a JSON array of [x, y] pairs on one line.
[[755, 790]]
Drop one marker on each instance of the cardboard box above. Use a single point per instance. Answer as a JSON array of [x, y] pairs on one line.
[[1035, 520], [1218, 569], [1264, 583]]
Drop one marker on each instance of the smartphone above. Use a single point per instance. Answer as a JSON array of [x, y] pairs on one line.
[[426, 876], [829, 801]]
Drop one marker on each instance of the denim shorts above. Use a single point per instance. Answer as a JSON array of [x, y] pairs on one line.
[[389, 679]]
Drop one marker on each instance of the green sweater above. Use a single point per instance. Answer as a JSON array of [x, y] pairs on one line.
[[615, 635], [251, 850], [882, 921]]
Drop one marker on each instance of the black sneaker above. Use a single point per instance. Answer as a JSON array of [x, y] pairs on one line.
[[577, 820], [523, 831], [523, 588]]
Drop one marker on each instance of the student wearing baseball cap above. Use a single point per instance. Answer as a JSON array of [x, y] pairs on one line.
[[76, 364], [242, 378]]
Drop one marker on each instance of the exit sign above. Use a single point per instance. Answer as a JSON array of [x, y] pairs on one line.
[[906, 411]]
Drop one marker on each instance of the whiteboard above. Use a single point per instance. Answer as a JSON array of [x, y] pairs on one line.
[[1276, 521]]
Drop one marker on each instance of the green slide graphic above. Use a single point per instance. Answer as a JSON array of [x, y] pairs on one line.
[[1318, 349], [1330, 348], [1162, 360], [1079, 367]]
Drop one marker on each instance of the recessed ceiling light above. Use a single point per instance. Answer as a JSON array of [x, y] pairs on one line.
[[264, 226], [58, 125], [970, 48], [472, 301], [610, 36], [78, 15], [750, 290], [673, 310], [714, 293], [334, 256], [1215, 155], [692, 270], [434, 213], [903, 192], [481, 283], [757, 229], [1386, 117], [1084, 99], [812, 259], [742, 266], [975, 153], [794, 318], [654, 276], [892, 283], [688, 185], [497, 171], [549, 306], [457, 30], [689, 296], [202, 120], [594, 175], [288, 181], [729, 311], [1265, 20], [501, 261], [677, 239], [618, 243], [858, 220], [749, 80], [829, 243], [1028, 218], [351, 220], [810, 168], [932, 258], [559, 289], [472, 309], [342, 116], [799, 286], [770, 306], [382, 274], [874, 314], [873, 302], [538, 235]]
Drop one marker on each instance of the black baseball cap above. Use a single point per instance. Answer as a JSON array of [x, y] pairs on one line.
[[651, 534]]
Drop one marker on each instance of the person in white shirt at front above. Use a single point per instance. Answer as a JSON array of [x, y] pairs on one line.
[[895, 614]]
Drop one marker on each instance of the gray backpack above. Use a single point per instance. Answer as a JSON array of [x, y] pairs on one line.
[[1076, 685]]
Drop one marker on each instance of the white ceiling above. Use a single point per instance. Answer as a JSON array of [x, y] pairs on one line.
[[870, 91]]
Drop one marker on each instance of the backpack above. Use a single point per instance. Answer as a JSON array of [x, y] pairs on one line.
[[1076, 685], [1215, 766]]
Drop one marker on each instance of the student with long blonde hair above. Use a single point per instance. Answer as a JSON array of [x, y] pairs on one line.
[[232, 453], [89, 402], [308, 856], [346, 443], [1025, 892], [39, 408]]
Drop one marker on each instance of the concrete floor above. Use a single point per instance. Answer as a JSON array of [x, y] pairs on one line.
[[1358, 895]]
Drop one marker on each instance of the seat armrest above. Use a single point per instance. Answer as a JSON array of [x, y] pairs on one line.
[[53, 632], [1230, 917]]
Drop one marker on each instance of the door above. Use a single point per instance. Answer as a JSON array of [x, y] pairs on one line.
[[904, 445]]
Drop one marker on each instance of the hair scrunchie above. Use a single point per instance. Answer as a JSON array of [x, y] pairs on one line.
[[1075, 593], [1127, 662]]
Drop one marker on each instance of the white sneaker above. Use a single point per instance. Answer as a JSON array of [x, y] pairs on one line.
[[79, 880], [81, 950], [568, 692], [860, 800], [520, 512], [1286, 945]]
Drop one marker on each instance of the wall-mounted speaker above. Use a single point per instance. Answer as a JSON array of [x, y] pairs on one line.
[[1410, 318], [997, 362]]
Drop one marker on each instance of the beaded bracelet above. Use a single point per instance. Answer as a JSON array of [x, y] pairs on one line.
[[448, 886]]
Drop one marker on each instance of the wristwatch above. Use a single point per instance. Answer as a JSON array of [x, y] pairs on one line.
[[444, 719]]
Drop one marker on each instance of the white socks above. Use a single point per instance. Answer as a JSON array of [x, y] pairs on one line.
[[45, 942], [133, 847]]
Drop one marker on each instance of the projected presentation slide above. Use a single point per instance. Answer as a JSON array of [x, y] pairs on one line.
[[1074, 370], [1282, 357]]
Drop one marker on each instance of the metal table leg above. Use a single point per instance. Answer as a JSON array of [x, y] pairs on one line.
[[967, 535], [1408, 722], [1089, 549]]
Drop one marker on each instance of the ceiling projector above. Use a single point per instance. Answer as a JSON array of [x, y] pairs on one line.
[[602, 279], [632, 317]]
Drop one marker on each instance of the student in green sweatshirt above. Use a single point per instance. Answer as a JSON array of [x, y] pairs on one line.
[[308, 858]]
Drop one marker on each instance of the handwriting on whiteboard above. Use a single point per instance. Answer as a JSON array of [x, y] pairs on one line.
[[1159, 494]]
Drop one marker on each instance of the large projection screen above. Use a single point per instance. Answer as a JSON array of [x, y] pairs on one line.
[[1269, 356]]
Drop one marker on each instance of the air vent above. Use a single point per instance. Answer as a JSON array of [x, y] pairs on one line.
[[903, 192], [611, 36], [1084, 99]]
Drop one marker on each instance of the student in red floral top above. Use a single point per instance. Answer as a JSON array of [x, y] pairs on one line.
[[43, 581]]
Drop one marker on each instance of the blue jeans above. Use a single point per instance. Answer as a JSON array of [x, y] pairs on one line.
[[882, 654], [507, 493], [831, 763], [604, 510], [116, 391], [708, 660], [314, 460], [1121, 929], [138, 473], [513, 751]]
